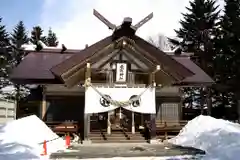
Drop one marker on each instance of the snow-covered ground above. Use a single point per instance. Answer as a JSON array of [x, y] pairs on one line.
[[220, 139], [22, 139]]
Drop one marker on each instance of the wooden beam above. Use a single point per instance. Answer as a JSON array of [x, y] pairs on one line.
[[110, 59], [94, 58], [87, 116], [133, 60], [104, 20], [88, 73], [156, 62], [141, 57], [151, 78], [75, 79], [44, 103]]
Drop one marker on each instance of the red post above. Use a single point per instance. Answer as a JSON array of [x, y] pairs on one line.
[[44, 148], [67, 139]]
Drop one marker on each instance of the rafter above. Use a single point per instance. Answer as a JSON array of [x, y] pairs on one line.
[[133, 60], [74, 70], [110, 59]]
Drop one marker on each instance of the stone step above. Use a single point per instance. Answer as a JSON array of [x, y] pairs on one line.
[[115, 138], [116, 133], [119, 141], [121, 135]]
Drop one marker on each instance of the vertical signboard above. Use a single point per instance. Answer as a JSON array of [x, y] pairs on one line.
[[121, 72]]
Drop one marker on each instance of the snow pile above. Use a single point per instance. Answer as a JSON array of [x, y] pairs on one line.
[[22, 139], [218, 138]]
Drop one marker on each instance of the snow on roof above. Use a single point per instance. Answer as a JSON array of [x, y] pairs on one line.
[[8, 89], [31, 47]]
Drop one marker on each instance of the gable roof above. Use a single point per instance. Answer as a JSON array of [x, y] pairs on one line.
[[167, 63], [35, 68]]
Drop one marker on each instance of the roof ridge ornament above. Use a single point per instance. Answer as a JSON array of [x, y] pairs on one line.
[[123, 42], [127, 21]]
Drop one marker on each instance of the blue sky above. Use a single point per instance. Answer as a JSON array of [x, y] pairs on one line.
[[12, 11], [75, 25]]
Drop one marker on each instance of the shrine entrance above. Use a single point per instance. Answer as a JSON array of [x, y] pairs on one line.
[[117, 119], [120, 119]]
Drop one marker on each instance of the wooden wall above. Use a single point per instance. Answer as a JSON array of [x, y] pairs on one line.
[[64, 108], [168, 105]]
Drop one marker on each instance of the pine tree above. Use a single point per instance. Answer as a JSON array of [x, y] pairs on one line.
[[197, 30], [52, 40], [227, 61], [197, 35], [231, 38], [36, 35], [18, 38], [4, 37], [4, 56]]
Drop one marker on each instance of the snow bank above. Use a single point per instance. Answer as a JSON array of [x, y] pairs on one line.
[[22, 139], [220, 139]]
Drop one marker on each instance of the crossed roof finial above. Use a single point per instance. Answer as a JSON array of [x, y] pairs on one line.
[[126, 21]]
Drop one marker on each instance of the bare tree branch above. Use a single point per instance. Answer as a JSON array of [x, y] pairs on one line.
[[161, 42]]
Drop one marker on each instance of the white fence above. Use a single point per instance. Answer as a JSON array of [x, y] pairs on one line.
[[7, 111]]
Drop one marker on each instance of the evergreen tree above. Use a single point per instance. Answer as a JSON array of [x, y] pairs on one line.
[[36, 35], [52, 40], [197, 31], [197, 35], [19, 35], [18, 38], [227, 61], [4, 56], [4, 37]]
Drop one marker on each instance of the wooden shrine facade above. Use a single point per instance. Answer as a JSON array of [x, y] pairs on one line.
[[62, 76]]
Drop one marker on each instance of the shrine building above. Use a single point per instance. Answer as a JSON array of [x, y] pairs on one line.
[[122, 79]]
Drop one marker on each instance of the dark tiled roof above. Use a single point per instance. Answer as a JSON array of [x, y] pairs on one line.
[[38, 65], [83, 55], [199, 77]]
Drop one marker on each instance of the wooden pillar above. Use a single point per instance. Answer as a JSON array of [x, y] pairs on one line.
[[133, 123], [87, 116], [17, 103], [237, 96], [209, 101], [153, 116], [44, 103], [142, 119], [108, 124], [180, 104], [202, 100]]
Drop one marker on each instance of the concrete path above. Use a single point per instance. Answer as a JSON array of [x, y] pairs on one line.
[[123, 150]]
